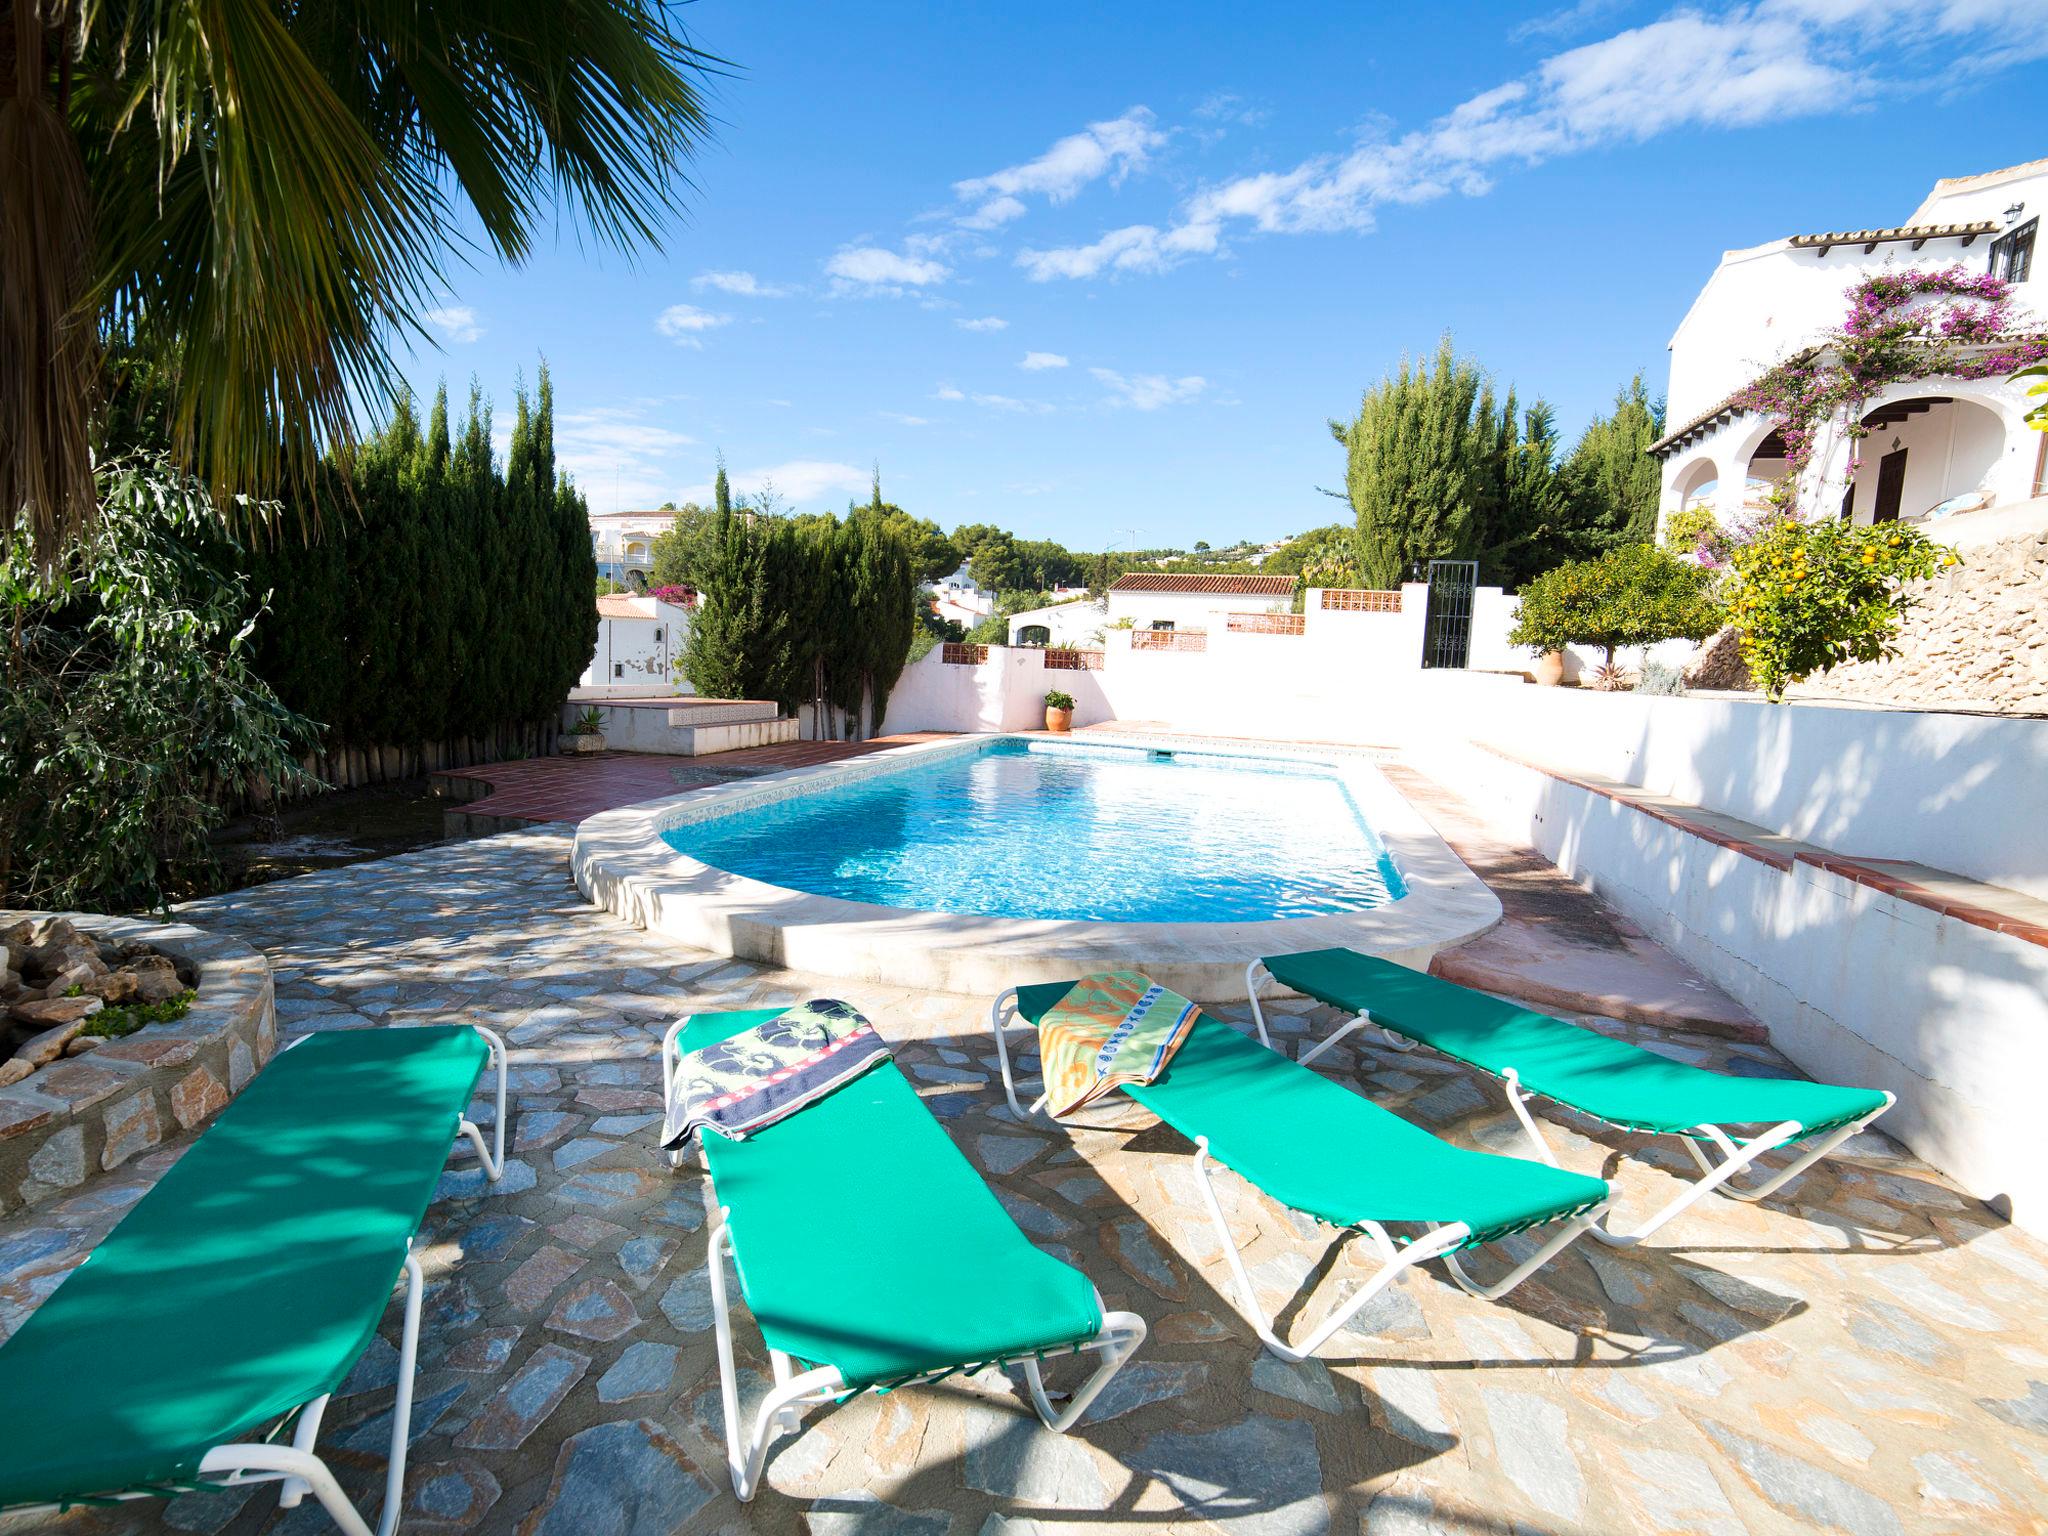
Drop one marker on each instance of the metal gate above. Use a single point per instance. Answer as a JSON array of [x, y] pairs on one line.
[[1447, 630]]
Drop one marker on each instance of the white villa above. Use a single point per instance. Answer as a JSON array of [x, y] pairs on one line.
[[1160, 600], [639, 641], [624, 544], [1077, 621], [962, 599], [1936, 446]]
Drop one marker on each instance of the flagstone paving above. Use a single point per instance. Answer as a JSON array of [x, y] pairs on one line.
[[1866, 1352]]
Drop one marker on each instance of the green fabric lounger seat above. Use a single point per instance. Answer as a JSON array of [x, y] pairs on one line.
[[197, 1344], [869, 1250], [1611, 1080], [1314, 1145]]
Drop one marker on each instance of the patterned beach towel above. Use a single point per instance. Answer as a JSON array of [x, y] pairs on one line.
[[761, 1075], [1111, 1028]]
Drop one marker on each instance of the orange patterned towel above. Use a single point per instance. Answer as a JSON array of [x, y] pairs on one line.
[[1111, 1028]]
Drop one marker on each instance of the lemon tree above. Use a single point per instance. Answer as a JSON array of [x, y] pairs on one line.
[[1809, 596]]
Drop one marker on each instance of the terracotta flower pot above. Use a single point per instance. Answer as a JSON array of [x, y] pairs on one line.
[[1058, 719], [1549, 669]]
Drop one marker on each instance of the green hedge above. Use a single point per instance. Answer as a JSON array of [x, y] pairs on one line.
[[445, 598]]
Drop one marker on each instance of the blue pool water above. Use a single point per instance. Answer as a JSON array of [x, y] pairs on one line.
[[1035, 829]]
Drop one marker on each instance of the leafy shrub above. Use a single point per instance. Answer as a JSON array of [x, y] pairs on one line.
[[1634, 595], [1660, 681], [1055, 699], [1809, 596], [132, 715], [117, 1023]]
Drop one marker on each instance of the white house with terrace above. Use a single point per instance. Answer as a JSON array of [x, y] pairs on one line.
[[1167, 601], [1921, 449]]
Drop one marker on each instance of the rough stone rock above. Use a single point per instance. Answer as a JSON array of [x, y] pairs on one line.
[[624, 1479], [861, 1513], [57, 1019], [197, 1097], [156, 980], [133, 1126], [1013, 1456], [1531, 1441], [14, 1069], [80, 1045], [1719, 664], [1976, 637], [644, 1370], [524, 1402], [114, 987], [1259, 1477], [449, 1495], [1144, 1382]]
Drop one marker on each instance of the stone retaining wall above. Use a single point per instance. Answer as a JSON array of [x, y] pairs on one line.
[[93, 1112], [1978, 639]]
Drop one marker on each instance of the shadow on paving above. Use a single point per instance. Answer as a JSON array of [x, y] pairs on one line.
[[1757, 1369]]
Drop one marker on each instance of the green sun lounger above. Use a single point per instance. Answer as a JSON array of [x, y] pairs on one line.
[[1536, 1055], [1316, 1146], [197, 1345], [870, 1251]]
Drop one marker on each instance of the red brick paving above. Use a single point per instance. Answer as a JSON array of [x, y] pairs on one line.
[[543, 789]]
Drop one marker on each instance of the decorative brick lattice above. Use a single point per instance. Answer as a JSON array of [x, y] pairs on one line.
[[1266, 623], [956, 654], [1073, 661], [1354, 600], [1169, 640]]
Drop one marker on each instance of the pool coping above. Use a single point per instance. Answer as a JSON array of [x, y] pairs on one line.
[[620, 862]]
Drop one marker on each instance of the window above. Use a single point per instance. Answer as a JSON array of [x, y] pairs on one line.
[[1166, 624], [2012, 253]]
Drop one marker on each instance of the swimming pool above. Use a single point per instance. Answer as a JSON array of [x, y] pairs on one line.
[[1034, 829]]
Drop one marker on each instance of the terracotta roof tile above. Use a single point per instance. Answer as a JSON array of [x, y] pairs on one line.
[[1163, 581]]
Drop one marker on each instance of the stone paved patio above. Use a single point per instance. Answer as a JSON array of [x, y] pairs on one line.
[[1868, 1352]]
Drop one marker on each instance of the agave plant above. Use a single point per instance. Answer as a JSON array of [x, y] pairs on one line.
[[255, 198]]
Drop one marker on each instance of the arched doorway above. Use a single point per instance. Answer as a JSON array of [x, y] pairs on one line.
[[1767, 466], [1698, 485], [1034, 634], [1924, 456]]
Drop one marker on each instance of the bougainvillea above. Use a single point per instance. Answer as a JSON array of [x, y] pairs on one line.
[[1808, 596], [1888, 339]]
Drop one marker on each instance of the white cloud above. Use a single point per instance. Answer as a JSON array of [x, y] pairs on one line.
[[949, 393], [985, 323], [1010, 403], [871, 269], [740, 284], [1148, 391], [1114, 148], [1037, 361], [1756, 63], [684, 324], [902, 420], [456, 323], [619, 458]]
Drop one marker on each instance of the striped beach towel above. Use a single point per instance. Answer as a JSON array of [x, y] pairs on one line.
[[1111, 1028], [764, 1074]]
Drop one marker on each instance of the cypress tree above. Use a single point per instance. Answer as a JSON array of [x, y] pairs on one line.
[[1415, 466], [721, 490]]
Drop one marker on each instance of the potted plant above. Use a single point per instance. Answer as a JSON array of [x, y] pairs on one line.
[[1059, 710], [586, 736]]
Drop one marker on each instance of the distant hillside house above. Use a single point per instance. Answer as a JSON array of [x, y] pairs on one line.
[[639, 641], [1159, 600], [1936, 446], [623, 543], [1076, 622]]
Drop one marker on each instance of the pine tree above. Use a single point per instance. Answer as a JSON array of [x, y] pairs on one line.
[[1611, 476], [721, 491]]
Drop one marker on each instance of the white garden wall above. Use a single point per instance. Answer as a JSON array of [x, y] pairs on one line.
[[1856, 985]]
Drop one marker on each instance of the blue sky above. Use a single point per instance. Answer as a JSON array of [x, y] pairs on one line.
[[1102, 273]]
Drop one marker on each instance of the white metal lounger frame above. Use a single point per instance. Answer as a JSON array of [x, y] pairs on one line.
[[1396, 1260], [781, 1411], [296, 1466], [1735, 1156]]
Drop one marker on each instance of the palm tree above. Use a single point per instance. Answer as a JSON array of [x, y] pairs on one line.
[[251, 200]]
